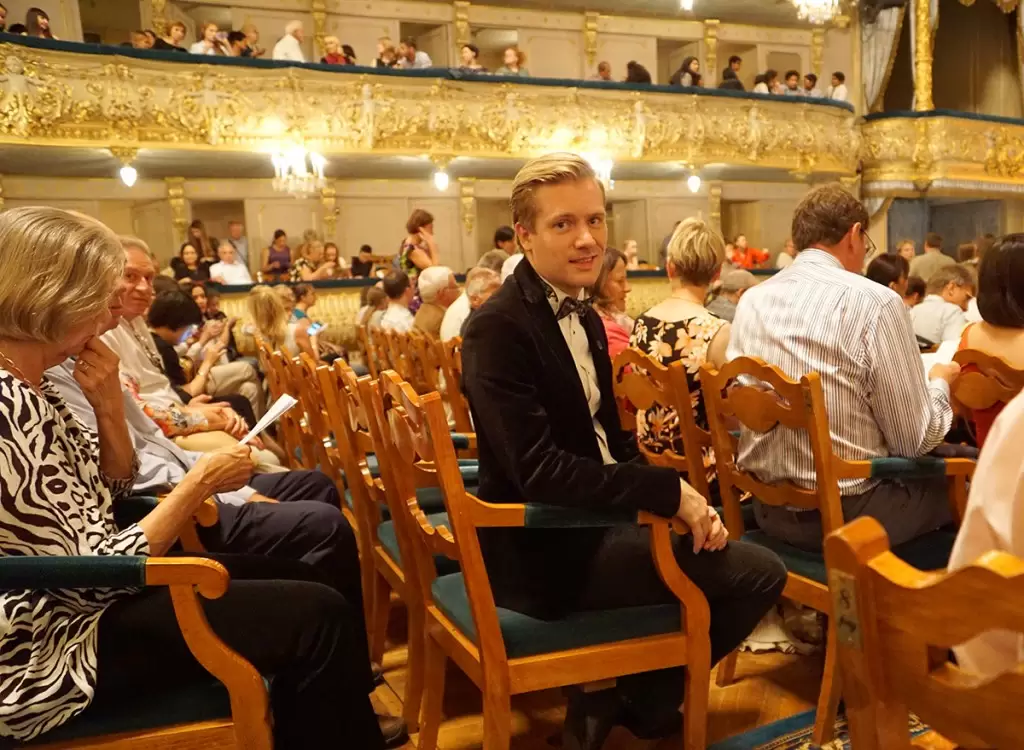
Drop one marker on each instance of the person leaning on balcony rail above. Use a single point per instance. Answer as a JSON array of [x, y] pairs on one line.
[[37, 24], [208, 43], [470, 54], [290, 45], [62, 288], [837, 91], [514, 63]]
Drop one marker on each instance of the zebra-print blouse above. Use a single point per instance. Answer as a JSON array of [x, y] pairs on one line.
[[54, 500]]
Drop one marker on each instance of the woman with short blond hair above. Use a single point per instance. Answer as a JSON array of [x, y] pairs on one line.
[[83, 651], [681, 328]]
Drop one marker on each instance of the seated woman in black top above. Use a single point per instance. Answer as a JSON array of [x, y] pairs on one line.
[[188, 264]]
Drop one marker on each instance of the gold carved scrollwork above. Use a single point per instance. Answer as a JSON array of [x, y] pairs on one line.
[[463, 34], [923, 56], [590, 22], [31, 97], [715, 205], [467, 203], [319, 9], [817, 50], [179, 207], [159, 10], [1004, 155], [329, 203], [711, 49]]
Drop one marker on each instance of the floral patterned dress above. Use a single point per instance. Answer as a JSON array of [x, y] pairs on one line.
[[685, 340]]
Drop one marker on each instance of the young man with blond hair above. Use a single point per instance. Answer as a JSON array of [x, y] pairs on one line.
[[539, 382]]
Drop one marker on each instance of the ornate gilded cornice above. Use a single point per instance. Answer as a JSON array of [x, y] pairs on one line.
[[942, 154], [99, 100]]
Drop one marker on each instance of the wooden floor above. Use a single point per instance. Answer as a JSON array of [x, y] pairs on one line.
[[769, 687]]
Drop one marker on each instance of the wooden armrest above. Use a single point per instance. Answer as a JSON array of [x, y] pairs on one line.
[[678, 525], [924, 467], [439, 539]]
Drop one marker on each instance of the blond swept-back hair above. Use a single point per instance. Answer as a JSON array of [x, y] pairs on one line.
[[268, 314], [60, 268], [551, 169], [696, 251]]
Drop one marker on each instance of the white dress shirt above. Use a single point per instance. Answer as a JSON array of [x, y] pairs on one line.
[[397, 318], [454, 317], [994, 521], [200, 48], [814, 93], [579, 347], [838, 93], [973, 315], [421, 60], [818, 317], [133, 344], [784, 260], [936, 320], [289, 49], [232, 273]]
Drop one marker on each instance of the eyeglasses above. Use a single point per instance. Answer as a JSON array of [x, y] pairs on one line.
[[869, 244]]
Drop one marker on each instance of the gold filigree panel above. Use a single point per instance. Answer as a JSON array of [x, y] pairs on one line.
[[68, 98]]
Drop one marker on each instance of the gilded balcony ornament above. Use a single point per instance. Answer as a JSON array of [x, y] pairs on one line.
[[30, 100], [467, 203], [590, 24], [179, 206], [1004, 154]]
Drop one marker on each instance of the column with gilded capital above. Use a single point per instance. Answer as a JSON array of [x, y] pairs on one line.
[[463, 33], [922, 56], [467, 219], [715, 205], [711, 52], [319, 26], [329, 203], [180, 208]]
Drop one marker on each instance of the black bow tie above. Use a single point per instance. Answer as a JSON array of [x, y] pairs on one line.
[[570, 306]]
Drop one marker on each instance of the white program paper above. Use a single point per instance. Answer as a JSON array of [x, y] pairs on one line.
[[942, 356], [274, 413]]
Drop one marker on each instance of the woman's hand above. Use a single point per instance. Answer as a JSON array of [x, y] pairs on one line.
[[213, 351], [226, 419], [97, 373], [226, 469]]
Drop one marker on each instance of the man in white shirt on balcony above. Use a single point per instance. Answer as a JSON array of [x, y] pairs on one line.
[[411, 58], [229, 270], [290, 46], [837, 92], [400, 293]]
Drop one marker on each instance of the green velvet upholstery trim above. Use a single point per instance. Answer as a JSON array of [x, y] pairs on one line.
[[72, 572], [460, 441], [928, 552], [132, 509], [528, 636], [925, 467], [389, 541], [182, 705]]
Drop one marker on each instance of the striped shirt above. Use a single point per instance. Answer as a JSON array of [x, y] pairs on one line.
[[817, 317]]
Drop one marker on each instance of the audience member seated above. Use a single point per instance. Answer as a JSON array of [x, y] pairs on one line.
[[940, 316], [188, 264], [208, 43], [230, 270], [932, 259], [630, 250], [767, 83], [139, 40], [481, 284], [287, 296], [3, 18], [785, 258], [290, 45], [37, 24], [744, 256], [505, 239], [680, 328], [792, 84], [201, 241], [397, 317], [238, 240], [419, 250], [333, 52], [735, 64], [311, 265], [891, 271], [1001, 305], [277, 614], [18, 29], [515, 63], [604, 72], [338, 267], [994, 509], [276, 260], [967, 254], [252, 37], [305, 297], [837, 91], [822, 316], [539, 383], [637, 73], [438, 290], [906, 249], [238, 44], [916, 289], [733, 286], [387, 55], [208, 301], [609, 299], [198, 425], [362, 264], [688, 73], [173, 39], [374, 302], [411, 58], [458, 311], [811, 86], [470, 55], [730, 81], [271, 319]]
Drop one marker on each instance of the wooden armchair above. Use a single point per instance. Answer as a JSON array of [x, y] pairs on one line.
[[988, 382], [232, 711], [777, 402], [896, 625], [290, 428], [365, 347], [508, 653]]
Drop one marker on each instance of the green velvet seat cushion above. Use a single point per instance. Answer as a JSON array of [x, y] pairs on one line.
[[460, 441], [183, 705], [928, 552], [528, 636], [389, 541]]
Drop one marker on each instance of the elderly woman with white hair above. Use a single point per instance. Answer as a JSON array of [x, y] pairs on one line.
[[290, 46], [66, 653], [438, 291]]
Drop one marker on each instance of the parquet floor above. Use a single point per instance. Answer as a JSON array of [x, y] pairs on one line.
[[769, 687]]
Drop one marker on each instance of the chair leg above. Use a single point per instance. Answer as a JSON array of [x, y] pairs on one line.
[[434, 664], [695, 702], [727, 670], [379, 618], [416, 667], [831, 691], [497, 716]]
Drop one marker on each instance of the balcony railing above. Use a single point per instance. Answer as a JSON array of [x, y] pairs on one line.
[[73, 94], [942, 151]]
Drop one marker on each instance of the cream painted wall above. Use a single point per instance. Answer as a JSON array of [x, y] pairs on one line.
[[377, 222], [743, 217], [619, 49], [629, 222], [662, 215], [490, 214], [154, 222], [556, 54], [65, 20], [215, 215], [838, 55], [362, 34], [776, 224]]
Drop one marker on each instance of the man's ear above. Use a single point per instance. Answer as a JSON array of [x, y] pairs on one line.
[[525, 238]]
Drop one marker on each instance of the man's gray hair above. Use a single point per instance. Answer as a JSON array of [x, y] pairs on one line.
[[478, 279], [292, 27]]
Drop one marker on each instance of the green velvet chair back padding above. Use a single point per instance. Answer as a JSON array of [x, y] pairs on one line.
[[925, 467], [133, 509], [460, 441], [389, 541], [528, 636], [927, 552], [69, 572], [182, 705]]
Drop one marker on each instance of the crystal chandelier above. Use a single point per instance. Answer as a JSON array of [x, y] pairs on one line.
[[298, 172], [817, 11]]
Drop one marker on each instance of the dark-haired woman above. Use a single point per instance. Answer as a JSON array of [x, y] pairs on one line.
[[891, 271], [688, 73], [188, 264], [419, 250], [37, 24], [637, 73], [276, 262], [1001, 305]]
